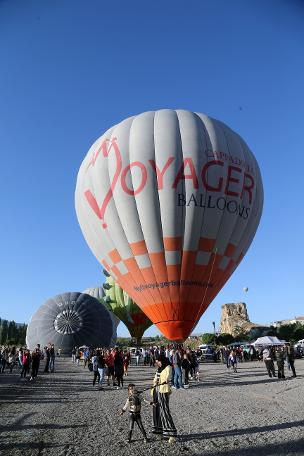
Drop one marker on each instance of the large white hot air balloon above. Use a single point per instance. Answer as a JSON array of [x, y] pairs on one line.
[[169, 202]]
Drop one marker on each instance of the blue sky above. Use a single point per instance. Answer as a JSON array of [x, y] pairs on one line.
[[71, 69]]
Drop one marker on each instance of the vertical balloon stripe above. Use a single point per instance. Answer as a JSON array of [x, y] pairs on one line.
[[142, 148], [165, 167]]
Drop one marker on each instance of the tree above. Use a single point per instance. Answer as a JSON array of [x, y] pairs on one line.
[[12, 331], [4, 332], [298, 333], [207, 338], [286, 332], [225, 339]]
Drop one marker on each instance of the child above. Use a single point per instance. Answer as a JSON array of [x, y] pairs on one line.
[[134, 404], [233, 360]]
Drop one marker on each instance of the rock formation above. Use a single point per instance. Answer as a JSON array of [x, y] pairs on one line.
[[235, 320]]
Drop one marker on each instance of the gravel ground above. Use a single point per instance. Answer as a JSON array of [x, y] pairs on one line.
[[226, 414]]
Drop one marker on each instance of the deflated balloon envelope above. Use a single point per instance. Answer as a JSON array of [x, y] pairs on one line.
[[68, 320], [169, 203]]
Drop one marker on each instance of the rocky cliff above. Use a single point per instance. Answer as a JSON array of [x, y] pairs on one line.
[[235, 320]]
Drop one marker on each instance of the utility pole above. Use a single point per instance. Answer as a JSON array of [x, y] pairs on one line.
[[214, 341]]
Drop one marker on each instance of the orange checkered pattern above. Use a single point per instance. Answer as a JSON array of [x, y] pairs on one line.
[[175, 308]]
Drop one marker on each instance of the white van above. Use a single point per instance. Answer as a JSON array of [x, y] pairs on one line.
[[133, 351], [300, 343], [206, 348]]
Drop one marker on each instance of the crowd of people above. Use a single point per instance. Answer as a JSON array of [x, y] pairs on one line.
[[27, 361], [279, 355], [175, 365], [111, 366]]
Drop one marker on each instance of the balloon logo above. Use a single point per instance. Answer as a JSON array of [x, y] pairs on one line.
[[169, 203]]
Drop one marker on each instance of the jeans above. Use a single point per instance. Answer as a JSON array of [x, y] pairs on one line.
[[52, 364], [186, 376], [178, 377], [96, 377], [101, 373], [135, 418]]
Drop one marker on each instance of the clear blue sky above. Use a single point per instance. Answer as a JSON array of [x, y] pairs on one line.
[[70, 69]]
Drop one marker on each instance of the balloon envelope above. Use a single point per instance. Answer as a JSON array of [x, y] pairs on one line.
[[98, 293], [126, 309], [68, 320], [169, 202]]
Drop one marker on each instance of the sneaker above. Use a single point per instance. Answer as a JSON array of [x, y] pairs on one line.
[[172, 440], [117, 387], [173, 387]]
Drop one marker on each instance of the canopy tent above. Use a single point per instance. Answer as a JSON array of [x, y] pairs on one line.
[[268, 340]]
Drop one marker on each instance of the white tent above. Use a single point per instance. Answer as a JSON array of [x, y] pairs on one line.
[[268, 340]]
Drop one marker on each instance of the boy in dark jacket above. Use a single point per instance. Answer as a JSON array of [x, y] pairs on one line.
[[134, 404]]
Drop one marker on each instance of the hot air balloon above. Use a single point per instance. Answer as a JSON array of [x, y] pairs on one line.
[[71, 319], [98, 293], [125, 309], [169, 203]]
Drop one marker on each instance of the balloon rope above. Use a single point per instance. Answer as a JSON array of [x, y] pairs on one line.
[[215, 250]]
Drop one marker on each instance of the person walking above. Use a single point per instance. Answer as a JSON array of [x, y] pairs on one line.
[[118, 368], [162, 420], [52, 358], [77, 356], [86, 356], [233, 360], [176, 363], [126, 362], [110, 367], [280, 362], [186, 369], [96, 375], [291, 358], [134, 404], [101, 366], [138, 355], [74, 355], [35, 364], [268, 360], [47, 359], [26, 359]]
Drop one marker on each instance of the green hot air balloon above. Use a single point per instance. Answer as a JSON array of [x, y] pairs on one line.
[[120, 303]]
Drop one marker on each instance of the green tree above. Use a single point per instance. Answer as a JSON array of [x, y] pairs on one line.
[[207, 338], [286, 332], [4, 332], [225, 339], [298, 333], [12, 331]]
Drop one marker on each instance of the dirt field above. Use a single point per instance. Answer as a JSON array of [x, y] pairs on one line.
[[225, 414]]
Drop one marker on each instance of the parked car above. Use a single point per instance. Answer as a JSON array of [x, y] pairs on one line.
[[133, 351], [207, 352]]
